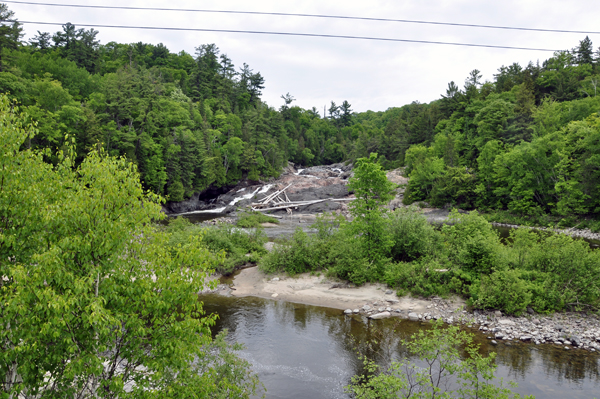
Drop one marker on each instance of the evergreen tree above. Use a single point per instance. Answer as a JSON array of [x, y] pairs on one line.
[[584, 52]]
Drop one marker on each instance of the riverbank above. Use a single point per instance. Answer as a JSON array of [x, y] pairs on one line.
[[569, 330]]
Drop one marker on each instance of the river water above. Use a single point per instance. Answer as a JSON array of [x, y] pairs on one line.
[[302, 351]]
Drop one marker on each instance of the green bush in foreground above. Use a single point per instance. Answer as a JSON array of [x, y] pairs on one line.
[[94, 304], [446, 374]]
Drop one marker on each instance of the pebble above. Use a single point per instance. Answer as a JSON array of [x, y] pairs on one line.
[[570, 330], [348, 311]]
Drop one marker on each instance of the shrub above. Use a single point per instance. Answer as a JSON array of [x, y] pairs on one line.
[[421, 278], [347, 261], [298, 255], [412, 235], [454, 368], [502, 290], [571, 272], [473, 243], [236, 244], [254, 219], [233, 243]]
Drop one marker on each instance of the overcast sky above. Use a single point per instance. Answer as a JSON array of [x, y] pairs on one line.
[[371, 75]]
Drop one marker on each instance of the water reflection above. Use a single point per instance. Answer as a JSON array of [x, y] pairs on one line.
[[302, 351]]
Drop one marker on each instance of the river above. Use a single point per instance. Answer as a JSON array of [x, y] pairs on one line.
[[302, 351]]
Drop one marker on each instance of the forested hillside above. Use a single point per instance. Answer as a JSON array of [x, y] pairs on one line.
[[528, 142]]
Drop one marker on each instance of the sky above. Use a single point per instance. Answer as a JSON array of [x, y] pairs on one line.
[[370, 75]]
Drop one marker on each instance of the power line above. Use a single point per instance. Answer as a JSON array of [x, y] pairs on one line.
[[291, 34], [306, 16]]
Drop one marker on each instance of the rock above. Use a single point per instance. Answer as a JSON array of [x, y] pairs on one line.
[[413, 316], [356, 310], [274, 295], [506, 322], [381, 315], [498, 313], [566, 347], [559, 327], [389, 292], [398, 310], [275, 279], [499, 336], [381, 309], [348, 311], [525, 338], [575, 340], [269, 246], [530, 310], [536, 322], [388, 309], [493, 342], [392, 300], [366, 308]]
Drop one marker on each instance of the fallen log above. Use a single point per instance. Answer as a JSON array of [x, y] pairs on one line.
[[270, 197], [297, 204]]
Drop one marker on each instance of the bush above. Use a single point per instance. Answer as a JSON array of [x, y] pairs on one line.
[[420, 278], [254, 219], [412, 235], [347, 261], [298, 255], [473, 243], [570, 270], [233, 243], [236, 244], [502, 290], [454, 369]]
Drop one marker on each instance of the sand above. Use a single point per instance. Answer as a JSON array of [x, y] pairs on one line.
[[321, 291]]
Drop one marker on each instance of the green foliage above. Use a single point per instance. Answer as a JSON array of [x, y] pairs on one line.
[[412, 235], [473, 245], [503, 289], [298, 255], [86, 277], [254, 219], [454, 368], [235, 246], [372, 190], [423, 278]]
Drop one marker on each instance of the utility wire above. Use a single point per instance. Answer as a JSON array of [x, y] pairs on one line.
[[289, 34], [306, 16]]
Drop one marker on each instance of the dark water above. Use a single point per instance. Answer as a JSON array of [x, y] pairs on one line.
[[302, 351]]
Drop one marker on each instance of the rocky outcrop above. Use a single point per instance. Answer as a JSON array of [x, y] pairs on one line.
[[315, 183]]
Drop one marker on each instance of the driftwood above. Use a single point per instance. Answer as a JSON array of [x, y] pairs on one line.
[[275, 194], [297, 204]]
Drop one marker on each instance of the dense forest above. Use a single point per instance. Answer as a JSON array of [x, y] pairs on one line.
[[527, 142]]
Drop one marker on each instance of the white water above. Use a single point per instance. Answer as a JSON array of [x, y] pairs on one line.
[[265, 188], [243, 197]]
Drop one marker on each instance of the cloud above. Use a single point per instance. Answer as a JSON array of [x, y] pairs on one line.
[[369, 74]]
